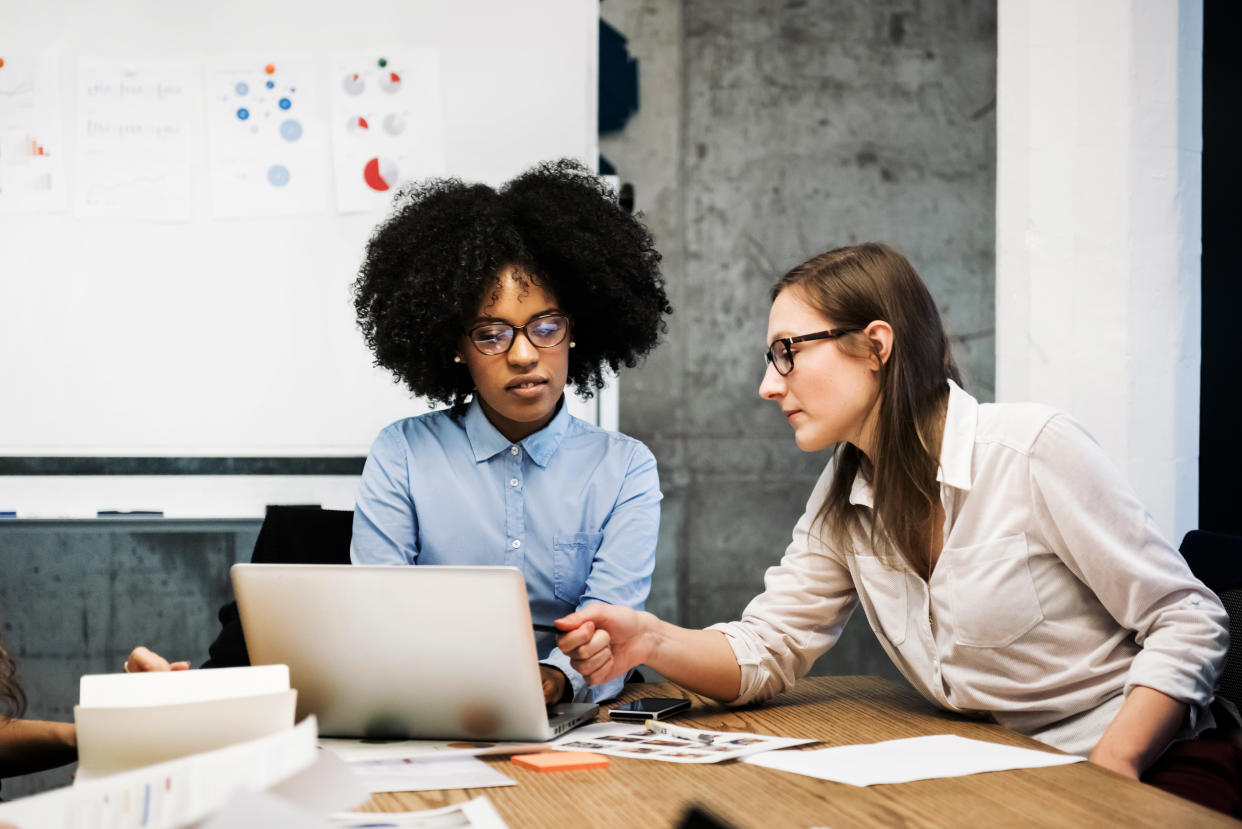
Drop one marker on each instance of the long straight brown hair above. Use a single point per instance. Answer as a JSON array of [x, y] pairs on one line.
[[853, 287]]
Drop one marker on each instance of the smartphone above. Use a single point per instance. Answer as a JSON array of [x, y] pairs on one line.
[[648, 708]]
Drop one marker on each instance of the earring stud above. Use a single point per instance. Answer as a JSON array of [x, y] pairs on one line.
[[572, 344], [456, 358]]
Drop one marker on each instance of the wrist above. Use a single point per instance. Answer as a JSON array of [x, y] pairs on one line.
[[1122, 762], [69, 735], [655, 638]]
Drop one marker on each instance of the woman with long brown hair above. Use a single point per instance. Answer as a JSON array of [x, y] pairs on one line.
[[1007, 568], [27, 746]]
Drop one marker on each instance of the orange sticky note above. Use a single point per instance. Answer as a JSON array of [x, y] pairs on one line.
[[562, 761]]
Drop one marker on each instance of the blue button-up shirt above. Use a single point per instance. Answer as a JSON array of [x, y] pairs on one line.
[[576, 508]]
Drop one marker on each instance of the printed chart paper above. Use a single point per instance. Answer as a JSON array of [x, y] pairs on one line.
[[133, 139], [387, 125], [268, 139], [32, 146], [669, 743]]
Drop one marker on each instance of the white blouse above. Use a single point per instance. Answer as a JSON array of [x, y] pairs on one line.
[[1054, 593]]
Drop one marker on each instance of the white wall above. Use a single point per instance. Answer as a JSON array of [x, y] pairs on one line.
[[1099, 149]]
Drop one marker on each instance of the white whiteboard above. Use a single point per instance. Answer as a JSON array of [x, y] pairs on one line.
[[229, 338]]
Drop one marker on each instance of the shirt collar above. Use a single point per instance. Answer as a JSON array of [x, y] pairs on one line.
[[957, 447], [486, 441]]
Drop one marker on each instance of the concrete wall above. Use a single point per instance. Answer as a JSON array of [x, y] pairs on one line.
[[769, 132]]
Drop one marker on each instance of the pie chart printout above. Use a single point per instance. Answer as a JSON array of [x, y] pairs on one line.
[[380, 174]]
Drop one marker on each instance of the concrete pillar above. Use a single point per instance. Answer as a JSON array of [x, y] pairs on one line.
[[1098, 213]]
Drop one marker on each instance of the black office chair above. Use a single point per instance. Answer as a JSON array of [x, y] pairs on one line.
[[289, 535], [1216, 559]]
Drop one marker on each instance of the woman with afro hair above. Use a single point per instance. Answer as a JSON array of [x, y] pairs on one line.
[[489, 301]]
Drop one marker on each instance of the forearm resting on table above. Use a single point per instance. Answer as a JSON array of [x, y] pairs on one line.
[[698, 660], [1142, 729], [27, 746]]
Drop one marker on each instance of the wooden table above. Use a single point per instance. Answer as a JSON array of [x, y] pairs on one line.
[[837, 711]]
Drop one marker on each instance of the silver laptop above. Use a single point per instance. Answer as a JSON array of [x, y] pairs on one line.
[[427, 652]]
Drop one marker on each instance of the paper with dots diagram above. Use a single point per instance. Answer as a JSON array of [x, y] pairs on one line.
[[387, 125], [268, 142]]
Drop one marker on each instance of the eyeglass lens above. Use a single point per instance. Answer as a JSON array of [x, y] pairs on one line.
[[497, 337], [779, 356]]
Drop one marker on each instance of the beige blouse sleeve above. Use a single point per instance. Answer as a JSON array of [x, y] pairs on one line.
[[1101, 531]]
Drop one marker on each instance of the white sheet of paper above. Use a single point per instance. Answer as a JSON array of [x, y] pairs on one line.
[[32, 141], [915, 758], [263, 810], [268, 138], [112, 740], [473, 814], [133, 153], [678, 744], [174, 687], [420, 774], [387, 124], [327, 786]]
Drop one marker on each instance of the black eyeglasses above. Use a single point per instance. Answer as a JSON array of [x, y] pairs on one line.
[[780, 355], [493, 338]]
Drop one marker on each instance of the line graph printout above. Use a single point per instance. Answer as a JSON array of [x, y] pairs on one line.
[[134, 139], [269, 150], [387, 124], [32, 168]]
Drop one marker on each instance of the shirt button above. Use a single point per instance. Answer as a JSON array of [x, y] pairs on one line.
[[513, 450], [513, 482], [516, 544]]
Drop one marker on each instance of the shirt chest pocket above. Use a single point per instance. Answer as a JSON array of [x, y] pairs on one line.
[[884, 589], [992, 594], [572, 556]]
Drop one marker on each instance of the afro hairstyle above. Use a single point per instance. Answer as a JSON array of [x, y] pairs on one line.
[[429, 266]]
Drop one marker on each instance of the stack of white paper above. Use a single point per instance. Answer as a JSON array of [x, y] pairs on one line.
[[126, 721], [174, 793]]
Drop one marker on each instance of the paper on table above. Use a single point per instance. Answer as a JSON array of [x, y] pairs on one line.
[[669, 743], [473, 814], [420, 774], [915, 758], [263, 810], [326, 786], [112, 740], [170, 794], [126, 721], [303, 801]]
